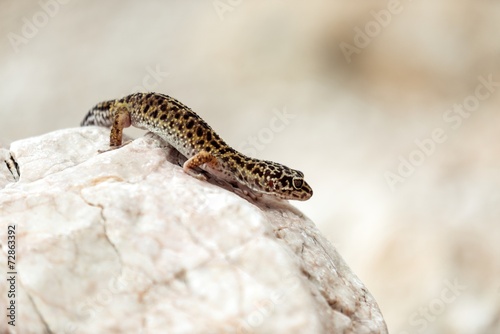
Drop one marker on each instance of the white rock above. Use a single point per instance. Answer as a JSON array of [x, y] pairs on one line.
[[125, 242]]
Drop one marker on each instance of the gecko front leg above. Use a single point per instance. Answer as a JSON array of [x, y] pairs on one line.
[[197, 161], [212, 166]]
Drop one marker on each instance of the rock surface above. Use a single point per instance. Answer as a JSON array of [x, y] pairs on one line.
[[125, 242]]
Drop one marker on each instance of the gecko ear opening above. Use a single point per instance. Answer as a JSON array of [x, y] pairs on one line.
[[298, 182]]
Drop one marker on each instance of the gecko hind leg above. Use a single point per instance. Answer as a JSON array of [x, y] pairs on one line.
[[121, 120]]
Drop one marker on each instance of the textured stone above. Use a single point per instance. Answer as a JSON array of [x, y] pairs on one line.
[[124, 241]]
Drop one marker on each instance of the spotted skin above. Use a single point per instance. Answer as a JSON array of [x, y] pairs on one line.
[[194, 138]]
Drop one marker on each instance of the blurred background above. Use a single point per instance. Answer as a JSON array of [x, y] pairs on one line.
[[390, 108]]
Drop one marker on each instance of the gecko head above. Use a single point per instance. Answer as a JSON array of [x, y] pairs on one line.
[[285, 183]]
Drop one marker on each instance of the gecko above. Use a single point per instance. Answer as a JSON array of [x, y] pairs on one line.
[[189, 134]]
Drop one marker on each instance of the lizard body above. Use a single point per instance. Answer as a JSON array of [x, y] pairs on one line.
[[194, 138]]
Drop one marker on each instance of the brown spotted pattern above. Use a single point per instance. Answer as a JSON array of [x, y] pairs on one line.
[[190, 134]]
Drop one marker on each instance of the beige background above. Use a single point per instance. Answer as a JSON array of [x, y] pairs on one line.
[[349, 121]]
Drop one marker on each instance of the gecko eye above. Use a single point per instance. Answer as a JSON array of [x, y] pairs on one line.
[[297, 183]]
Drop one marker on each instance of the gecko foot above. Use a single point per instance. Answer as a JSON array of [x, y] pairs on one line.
[[112, 148], [244, 191]]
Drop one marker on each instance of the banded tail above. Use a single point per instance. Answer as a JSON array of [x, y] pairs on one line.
[[99, 115]]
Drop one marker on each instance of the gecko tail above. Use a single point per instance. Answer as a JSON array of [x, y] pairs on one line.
[[99, 115]]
